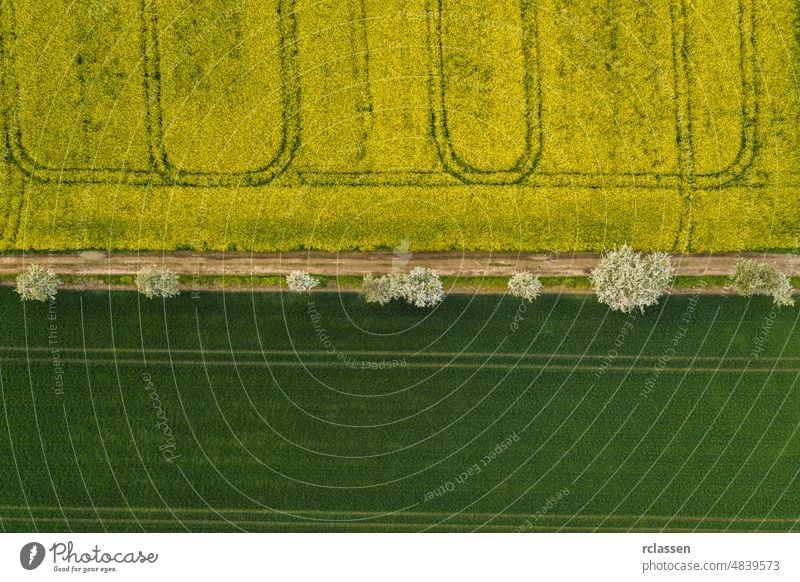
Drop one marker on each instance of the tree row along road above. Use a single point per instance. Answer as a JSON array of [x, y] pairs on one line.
[[354, 263]]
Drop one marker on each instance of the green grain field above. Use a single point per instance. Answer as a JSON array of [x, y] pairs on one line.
[[267, 412], [275, 125]]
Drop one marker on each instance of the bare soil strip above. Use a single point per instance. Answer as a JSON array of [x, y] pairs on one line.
[[353, 263]]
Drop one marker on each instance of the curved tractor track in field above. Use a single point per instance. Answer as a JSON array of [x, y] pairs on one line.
[[513, 125]]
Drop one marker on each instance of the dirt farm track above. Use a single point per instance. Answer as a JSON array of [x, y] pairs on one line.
[[93, 263]]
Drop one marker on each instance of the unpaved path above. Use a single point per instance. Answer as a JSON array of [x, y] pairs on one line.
[[445, 263]]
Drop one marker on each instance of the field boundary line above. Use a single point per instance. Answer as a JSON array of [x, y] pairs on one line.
[[423, 365], [344, 525], [479, 514], [393, 353]]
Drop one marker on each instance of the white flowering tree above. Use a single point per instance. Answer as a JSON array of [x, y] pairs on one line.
[[421, 287], [755, 278], [300, 282], [37, 283], [525, 285], [157, 281], [627, 280], [384, 289]]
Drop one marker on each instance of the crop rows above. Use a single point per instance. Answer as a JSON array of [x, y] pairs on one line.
[[278, 422]]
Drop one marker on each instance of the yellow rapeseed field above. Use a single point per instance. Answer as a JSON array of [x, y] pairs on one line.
[[356, 124]]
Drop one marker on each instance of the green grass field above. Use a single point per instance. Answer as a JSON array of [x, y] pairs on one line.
[[274, 125], [323, 413]]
